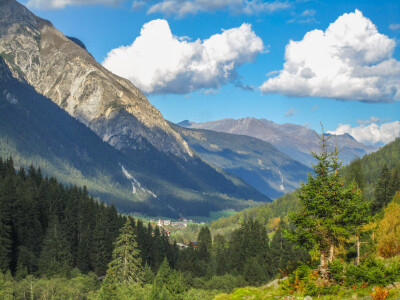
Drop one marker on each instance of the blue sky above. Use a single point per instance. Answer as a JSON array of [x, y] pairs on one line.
[[215, 62]]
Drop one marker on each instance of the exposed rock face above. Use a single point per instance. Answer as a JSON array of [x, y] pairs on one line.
[[63, 71]]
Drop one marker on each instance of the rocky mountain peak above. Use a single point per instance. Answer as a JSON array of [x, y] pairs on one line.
[[62, 70]]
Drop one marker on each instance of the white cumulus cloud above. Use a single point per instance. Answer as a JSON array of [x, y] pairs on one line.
[[182, 8], [59, 4], [159, 62], [351, 60], [372, 133]]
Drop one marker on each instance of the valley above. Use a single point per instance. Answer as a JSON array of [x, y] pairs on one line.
[[282, 189]]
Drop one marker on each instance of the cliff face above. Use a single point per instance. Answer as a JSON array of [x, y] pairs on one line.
[[63, 71]]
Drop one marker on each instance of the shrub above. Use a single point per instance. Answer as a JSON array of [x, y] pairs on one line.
[[379, 293], [225, 283], [372, 272], [314, 290], [336, 270]]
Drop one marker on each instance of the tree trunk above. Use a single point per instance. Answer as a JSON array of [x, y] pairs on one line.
[[358, 249], [323, 267], [331, 252]]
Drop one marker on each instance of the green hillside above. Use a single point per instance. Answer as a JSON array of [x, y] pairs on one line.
[[370, 166]]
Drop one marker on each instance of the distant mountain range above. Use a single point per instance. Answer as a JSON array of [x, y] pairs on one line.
[[64, 112], [294, 140], [257, 162]]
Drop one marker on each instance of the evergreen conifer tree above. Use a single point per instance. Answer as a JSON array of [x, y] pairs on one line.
[[356, 215], [204, 244], [323, 202], [126, 264], [220, 252], [6, 241], [383, 191], [55, 257]]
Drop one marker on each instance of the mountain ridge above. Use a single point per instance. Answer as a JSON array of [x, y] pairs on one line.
[[294, 140], [255, 161]]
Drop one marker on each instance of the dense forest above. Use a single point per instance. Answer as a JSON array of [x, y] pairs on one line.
[[52, 234], [329, 237]]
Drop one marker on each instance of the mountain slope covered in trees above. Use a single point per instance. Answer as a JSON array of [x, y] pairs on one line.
[[366, 171], [54, 234], [257, 162]]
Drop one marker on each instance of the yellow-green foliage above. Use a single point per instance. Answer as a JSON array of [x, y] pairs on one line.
[[263, 214], [389, 229]]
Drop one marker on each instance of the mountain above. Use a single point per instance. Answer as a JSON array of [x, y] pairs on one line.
[[294, 140], [64, 112], [256, 162], [110, 105]]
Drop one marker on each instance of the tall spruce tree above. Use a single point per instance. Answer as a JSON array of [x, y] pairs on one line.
[[6, 241], [323, 201], [126, 264], [220, 253], [285, 256], [356, 214], [355, 173], [55, 257], [204, 244], [383, 191], [250, 241]]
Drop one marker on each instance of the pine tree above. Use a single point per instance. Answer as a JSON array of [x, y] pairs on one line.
[[254, 272], [126, 264], [5, 232], [284, 254], [220, 253], [204, 244], [395, 182], [319, 222], [356, 214], [55, 257], [167, 282], [99, 250], [355, 173], [161, 280], [250, 240], [7, 239], [383, 191]]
